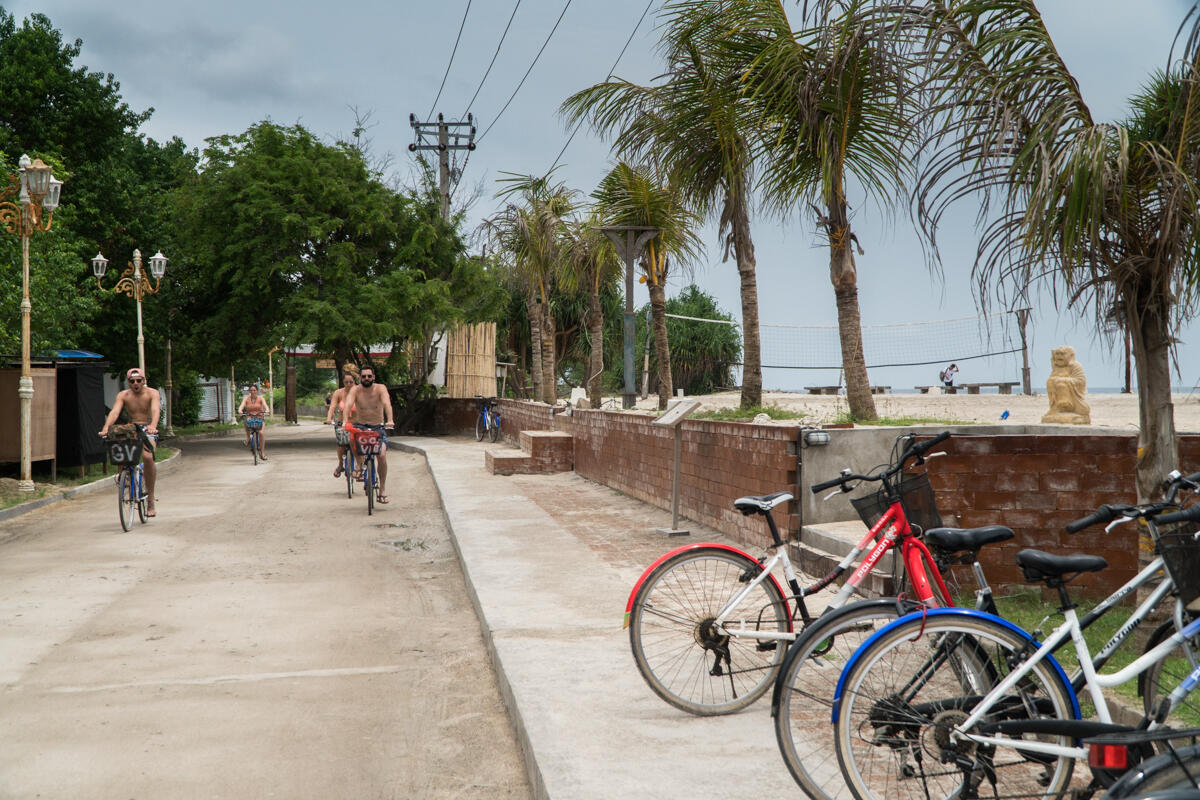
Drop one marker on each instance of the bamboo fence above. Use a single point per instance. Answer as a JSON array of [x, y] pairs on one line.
[[471, 360]]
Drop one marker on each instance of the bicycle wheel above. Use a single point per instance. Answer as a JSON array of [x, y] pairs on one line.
[[125, 498], [480, 428], [494, 427], [1164, 676], [139, 491], [1168, 771], [803, 699], [683, 659], [369, 485], [348, 471], [915, 682], [254, 447]]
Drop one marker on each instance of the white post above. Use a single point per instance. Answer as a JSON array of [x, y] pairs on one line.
[[25, 387]]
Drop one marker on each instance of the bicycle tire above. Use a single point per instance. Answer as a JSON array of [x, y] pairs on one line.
[[125, 499], [348, 471], [254, 447], [803, 699], [494, 427], [1162, 677], [480, 428], [673, 644], [369, 485], [1164, 772], [923, 675], [139, 491]]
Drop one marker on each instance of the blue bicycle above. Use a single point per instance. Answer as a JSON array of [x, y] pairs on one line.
[[369, 443], [488, 423], [254, 435], [125, 444]]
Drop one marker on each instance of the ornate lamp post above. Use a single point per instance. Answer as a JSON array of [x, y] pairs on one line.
[[133, 283], [37, 192]]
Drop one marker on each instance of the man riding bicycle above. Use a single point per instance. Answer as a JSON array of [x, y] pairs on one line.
[[254, 406], [143, 406], [368, 405]]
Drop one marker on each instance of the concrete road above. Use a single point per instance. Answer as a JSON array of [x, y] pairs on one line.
[[262, 637]]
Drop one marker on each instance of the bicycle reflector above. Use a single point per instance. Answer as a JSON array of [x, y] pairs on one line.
[[1108, 756]]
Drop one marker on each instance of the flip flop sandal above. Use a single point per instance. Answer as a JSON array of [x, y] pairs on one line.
[[383, 498]]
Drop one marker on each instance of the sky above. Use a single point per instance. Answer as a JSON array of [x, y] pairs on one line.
[[222, 66]]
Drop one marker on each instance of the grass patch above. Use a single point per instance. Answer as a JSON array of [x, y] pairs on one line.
[[208, 427], [746, 414], [67, 478], [900, 422]]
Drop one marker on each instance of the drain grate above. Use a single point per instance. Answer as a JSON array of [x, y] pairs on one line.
[[403, 545], [392, 525]]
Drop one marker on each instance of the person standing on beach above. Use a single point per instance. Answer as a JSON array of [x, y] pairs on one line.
[[947, 375]]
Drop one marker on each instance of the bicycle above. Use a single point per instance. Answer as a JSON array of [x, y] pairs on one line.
[[705, 620], [342, 437], [488, 423], [369, 443], [965, 688], [254, 436], [125, 446], [1175, 771]]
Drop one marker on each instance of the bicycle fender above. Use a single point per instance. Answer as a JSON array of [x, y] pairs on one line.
[[942, 612], [637, 586]]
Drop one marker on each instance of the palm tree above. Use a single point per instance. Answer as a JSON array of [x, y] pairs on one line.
[[630, 195], [1110, 213], [832, 111], [691, 126], [529, 230], [591, 263]]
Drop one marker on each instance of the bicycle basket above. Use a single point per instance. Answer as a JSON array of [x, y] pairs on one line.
[[123, 450], [341, 435], [369, 443], [254, 423], [1181, 554], [916, 497]]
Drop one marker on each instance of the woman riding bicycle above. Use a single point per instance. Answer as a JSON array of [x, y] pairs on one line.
[[337, 411], [254, 406]]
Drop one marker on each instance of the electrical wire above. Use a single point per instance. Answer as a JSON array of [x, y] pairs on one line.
[[461, 25], [488, 71], [531, 66], [579, 122]]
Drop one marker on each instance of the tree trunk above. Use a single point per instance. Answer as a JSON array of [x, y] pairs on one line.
[[844, 276], [662, 350], [743, 247], [549, 377], [1158, 451], [535, 345], [596, 358]]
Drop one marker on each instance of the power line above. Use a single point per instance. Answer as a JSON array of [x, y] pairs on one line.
[[488, 71], [452, 52], [579, 122], [531, 66]]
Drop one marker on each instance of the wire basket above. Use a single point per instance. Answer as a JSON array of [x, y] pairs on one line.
[[254, 423], [341, 435], [916, 496], [367, 441], [1181, 554], [123, 450]]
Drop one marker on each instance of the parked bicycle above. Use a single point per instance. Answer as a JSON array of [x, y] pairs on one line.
[[488, 422], [706, 620], [125, 444], [254, 424], [939, 703], [369, 443]]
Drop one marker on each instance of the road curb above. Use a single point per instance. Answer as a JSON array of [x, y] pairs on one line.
[[87, 488]]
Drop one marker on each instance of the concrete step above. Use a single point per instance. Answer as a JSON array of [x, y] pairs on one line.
[[822, 546], [542, 452]]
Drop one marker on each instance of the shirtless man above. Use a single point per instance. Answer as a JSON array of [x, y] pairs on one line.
[[143, 405], [254, 405], [368, 405], [337, 412]]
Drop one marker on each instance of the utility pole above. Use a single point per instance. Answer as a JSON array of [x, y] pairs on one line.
[[443, 136]]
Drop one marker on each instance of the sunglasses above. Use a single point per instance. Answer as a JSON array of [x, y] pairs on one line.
[[137, 380]]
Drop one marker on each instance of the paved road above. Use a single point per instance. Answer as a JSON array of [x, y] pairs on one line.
[[261, 638]]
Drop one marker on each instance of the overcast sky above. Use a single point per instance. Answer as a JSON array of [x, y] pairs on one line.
[[221, 66]]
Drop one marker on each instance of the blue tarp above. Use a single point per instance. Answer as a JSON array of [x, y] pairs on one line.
[[73, 354]]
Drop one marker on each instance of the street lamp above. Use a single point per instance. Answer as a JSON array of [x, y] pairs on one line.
[[133, 283], [629, 242], [37, 191]]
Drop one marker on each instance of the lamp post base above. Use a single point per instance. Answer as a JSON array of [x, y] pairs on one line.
[[628, 400], [25, 487]]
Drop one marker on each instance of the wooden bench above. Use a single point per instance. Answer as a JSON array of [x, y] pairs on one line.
[[836, 389], [1003, 387]]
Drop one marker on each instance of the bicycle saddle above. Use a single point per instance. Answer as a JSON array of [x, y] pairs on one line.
[[760, 505], [1039, 566], [958, 539]]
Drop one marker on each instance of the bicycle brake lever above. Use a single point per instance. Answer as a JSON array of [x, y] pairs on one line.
[[935, 455], [1118, 521], [832, 495]]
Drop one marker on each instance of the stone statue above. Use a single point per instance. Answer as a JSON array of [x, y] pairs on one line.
[[1065, 388]]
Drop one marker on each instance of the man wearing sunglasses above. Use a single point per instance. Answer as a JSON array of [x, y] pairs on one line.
[[141, 403]]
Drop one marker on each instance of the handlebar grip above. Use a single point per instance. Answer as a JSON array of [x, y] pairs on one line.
[[817, 488], [919, 450], [1101, 515], [1187, 515]]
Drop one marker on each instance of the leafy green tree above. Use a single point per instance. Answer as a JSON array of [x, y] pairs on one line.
[[692, 125], [591, 263], [702, 353]]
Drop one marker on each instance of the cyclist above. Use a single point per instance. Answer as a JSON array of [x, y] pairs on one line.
[[143, 406], [368, 405], [254, 405], [337, 411]]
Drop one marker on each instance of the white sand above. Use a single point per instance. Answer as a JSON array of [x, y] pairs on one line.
[[1119, 411]]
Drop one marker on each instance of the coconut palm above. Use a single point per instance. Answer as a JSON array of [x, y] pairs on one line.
[[1109, 213], [529, 231], [634, 195], [591, 264], [690, 124]]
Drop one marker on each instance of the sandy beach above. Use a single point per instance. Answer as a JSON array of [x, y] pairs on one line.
[[1109, 411]]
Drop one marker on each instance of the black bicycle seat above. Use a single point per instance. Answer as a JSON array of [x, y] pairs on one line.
[[957, 540], [1039, 566], [760, 504]]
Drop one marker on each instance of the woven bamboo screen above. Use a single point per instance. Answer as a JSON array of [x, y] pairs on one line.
[[471, 360]]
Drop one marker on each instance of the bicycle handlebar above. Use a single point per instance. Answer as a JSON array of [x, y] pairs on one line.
[[1187, 515], [1155, 511], [913, 451], [1103, 514]]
